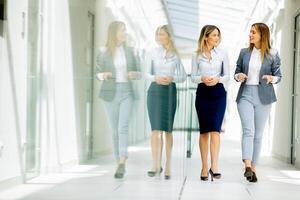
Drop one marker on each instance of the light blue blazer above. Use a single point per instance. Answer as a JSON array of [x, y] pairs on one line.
[[270, 66]]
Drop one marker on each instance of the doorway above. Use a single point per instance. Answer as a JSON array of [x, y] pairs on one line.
[[295, 147]]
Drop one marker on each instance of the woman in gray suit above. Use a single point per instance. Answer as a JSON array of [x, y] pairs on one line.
[[116, 67], [257, 68]]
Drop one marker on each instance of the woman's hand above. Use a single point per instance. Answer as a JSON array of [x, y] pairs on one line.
[[104, 75], [242, 77], [163, 80], [132, 75], [210, 80], [268, 78]]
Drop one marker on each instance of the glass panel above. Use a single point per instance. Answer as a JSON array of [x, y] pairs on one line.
[[90, 88], [296, 99], [83, 64], [32, 149], [2, 10], [95, 140]]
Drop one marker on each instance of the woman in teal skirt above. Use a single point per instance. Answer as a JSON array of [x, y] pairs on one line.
[[164, 69]]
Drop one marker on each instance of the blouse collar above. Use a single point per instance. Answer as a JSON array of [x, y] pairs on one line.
[[164, 52], [213, 52]]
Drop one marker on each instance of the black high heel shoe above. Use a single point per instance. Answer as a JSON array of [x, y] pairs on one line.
[[167, 177], [214, 175], [204, 178], [153, 173]]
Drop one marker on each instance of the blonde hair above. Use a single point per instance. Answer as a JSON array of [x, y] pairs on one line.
[[112, 41], [205, 31], [265, 45], [167, 30]]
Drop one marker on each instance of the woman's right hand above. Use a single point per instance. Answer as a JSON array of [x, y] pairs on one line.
[[163, 80], [106, 75], [241, 77], [209, 80]]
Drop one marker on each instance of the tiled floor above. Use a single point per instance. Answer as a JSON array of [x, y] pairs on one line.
[[277, 180], [94, 181]]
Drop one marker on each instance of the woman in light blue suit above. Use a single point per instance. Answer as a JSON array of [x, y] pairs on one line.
[[257, 68]]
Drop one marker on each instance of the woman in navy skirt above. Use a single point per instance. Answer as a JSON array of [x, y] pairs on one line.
[[164, 68], [210, 69]]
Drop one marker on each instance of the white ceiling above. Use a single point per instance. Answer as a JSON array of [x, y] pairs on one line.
[[187, 17]]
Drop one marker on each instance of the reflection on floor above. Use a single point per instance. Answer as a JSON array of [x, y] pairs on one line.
[[94, 181]]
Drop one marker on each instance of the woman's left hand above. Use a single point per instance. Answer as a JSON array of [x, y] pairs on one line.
[[169, 79], [132, 75], [213, 81], [268, 78]]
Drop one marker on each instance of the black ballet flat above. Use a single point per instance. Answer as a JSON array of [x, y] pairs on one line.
[[248, 173], [119, 174], [254, 178]]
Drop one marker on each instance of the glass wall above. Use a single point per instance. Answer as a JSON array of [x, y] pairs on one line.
[[296, 91], [32, 140]]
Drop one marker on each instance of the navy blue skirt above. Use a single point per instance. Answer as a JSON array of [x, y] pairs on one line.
[[210, 105], [161, 104]]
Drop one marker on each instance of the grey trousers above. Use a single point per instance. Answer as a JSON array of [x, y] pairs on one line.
[[118, 111], [253, 116]]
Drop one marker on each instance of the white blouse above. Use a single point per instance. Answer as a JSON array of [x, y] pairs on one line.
[[202, 66], [254, 67], [158, 63], [255, 64], [120, 65]]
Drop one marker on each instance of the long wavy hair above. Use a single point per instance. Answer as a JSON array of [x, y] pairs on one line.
[[112, 41], [205, 31], [165, 28], [265, 44]]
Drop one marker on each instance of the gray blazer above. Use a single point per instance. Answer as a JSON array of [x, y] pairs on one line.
[[104, 63], [270, 66]]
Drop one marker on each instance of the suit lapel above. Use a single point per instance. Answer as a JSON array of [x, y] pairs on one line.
[[263, 66], [127, 56], [110, 62], [247, 60]]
